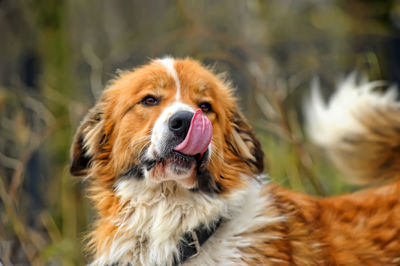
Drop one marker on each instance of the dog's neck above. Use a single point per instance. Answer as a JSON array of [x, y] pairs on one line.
[[154, 217]]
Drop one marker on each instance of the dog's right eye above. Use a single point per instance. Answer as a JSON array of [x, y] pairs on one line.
[[150, 101]]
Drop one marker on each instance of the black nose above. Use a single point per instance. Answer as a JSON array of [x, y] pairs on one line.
[[179, 123]]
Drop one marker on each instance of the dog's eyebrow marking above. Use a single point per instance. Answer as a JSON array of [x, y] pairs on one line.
[[168, 63]]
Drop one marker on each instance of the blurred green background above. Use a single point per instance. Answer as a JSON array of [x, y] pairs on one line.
[[56, 57]]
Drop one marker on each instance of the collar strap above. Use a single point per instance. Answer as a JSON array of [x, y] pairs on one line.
[[189, 245]]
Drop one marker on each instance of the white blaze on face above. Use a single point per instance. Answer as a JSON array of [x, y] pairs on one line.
[[160, 130], [161, 133], [168, 63]]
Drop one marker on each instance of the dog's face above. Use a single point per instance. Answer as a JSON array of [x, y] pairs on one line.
[[169, 121]]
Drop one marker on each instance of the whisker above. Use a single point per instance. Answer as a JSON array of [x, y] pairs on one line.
[[139, 140], [142, 149], [216, 154]]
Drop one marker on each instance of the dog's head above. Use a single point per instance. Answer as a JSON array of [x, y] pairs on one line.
[[169, 121]]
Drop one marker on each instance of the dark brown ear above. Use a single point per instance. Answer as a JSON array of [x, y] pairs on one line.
[[86, 141], [245, 144]]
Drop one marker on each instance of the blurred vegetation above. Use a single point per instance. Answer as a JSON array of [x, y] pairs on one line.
[[57, 55]]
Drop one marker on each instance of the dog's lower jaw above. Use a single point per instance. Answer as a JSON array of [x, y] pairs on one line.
[[185, 177], [188, 183], [172, 165]]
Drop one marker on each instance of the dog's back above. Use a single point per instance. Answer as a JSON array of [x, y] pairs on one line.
[[360, 129]]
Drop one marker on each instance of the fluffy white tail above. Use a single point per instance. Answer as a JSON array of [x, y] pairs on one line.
[[359, 127]]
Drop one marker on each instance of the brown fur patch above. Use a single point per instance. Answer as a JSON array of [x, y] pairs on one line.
[[356, 229]]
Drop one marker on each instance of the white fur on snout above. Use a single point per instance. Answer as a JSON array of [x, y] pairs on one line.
[[160, 132]]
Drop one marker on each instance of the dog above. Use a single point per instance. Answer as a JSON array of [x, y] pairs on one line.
[[175, 176]]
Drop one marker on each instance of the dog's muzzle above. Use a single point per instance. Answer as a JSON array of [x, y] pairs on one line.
[[179, 141], [180, 149]]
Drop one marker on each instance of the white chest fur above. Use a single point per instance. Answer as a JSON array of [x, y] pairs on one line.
[[154, 218]]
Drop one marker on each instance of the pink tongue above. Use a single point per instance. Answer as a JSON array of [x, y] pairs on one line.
[[198, 137]]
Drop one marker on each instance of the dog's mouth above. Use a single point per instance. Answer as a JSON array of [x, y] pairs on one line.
[[176, 159], [181, 160], [176, 166]]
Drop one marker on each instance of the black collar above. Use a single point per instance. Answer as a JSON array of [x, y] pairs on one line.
[[189, 246]]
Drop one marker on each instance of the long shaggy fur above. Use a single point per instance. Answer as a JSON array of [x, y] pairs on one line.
[[144, 206]]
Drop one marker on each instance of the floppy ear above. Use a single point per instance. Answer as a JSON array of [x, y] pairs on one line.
[[86, 142], [244, 143]]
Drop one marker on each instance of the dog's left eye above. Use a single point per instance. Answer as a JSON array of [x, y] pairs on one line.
[[205, 107], [149, 101]]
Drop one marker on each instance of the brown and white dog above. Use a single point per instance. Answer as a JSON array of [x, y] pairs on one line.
[[174, 174]]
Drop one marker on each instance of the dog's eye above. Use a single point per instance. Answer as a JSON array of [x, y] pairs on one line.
[[205, 107], [150, 101]]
